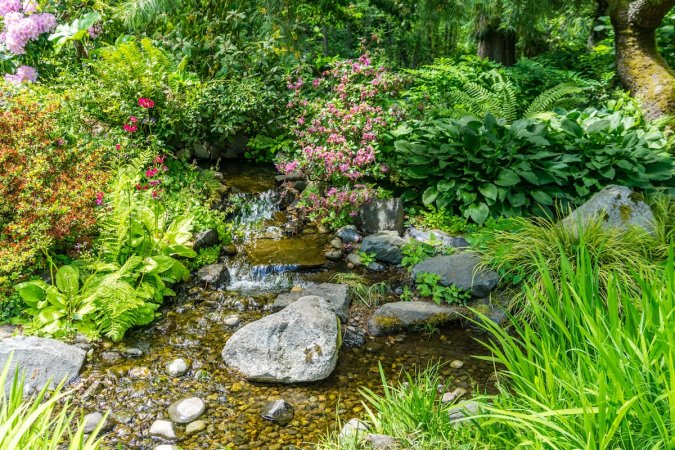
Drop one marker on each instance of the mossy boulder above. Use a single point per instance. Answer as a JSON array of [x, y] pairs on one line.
[[401, 316]]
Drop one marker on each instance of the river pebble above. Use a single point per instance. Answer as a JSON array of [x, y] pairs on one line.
[[163, 429], [187, 410]]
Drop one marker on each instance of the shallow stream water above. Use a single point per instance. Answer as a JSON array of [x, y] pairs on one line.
[[137, 389]]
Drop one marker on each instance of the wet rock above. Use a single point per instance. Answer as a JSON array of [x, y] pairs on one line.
[[294, 176], [461, 270], [280, 412], [617, 207], [348, 234], [382, 215], [178, 367], [336, 294], [375, 267], [45, 361], [354, 259], [463, 410], [229, 250], [110, 357], [133, 352], [334, 255], [167, 447], [451, 397], [206, 238], [187, 410], [163, 429], [92, 420], [385, 245], [456, 364], [353, 427], [231, 320], [380, 442], [298, 344], [353, 338], [195, 427], [215, 275], [139, 373], [398, 316], [437, 236], [123, 417], [336, 243]]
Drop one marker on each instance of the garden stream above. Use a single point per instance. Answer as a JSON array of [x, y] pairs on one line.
[[130, 379]]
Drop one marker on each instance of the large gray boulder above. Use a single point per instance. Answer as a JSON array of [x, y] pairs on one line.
[[617, 207], [206, 238], [382, 215], [296, 345], [44, 361], [336, 294], [400, 316], [385, 245], [461, 270]]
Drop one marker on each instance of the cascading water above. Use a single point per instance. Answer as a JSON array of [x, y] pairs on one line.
[[253, 223]]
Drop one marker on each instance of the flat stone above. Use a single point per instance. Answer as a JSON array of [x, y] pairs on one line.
[[456, 364], [336, 294], [451, 397], [354, 259], [178, 367], [463, 410], [92, 420], [167, 447], [617, 207], [7, 331], [348, 234], [231, 321], [195, 427], [334, 255], [336, 243], [437, 236], [353, 427], [385, 245], [163, 429], [187, 410], [460, 270], [400, 316], [215, 275], [380, 442], [44, 361], [298, 344], [133, 352], [382, 215], [279, 411], [206, 238]]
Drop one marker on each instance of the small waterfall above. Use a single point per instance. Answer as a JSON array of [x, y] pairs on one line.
[[256, 209]]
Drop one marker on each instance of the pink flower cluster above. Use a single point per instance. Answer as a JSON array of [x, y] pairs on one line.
[[337, 205], [152, 176], [23, 74], [22, 24]]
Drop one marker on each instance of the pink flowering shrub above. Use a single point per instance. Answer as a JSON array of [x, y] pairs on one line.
[[23, 74], [338, 119], [22, 24]]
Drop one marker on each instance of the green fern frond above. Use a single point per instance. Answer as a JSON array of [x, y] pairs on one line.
[[551, 98]]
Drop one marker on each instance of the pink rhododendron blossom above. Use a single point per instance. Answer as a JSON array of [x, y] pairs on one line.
[[20, 29], [9, 6], [23, 74]]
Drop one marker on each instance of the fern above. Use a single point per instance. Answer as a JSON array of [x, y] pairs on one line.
[[556, 96]]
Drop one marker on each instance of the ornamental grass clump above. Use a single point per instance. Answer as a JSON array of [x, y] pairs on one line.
[[45, 421], [592, 366]]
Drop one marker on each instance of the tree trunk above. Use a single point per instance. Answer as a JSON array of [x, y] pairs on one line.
[[640, 67], [498, 46]]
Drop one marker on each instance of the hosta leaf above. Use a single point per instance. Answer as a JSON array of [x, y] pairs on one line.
[[507, 177], [429, 195], [542, 197], [445, 185], [478, 212], [488, 190]]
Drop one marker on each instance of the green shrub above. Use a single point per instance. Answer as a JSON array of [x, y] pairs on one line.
[[440, 219], [592, 367], [41, 422], [487, 168]]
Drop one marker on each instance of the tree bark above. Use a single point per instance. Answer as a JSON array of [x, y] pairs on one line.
[[640, 67], [495, 44]]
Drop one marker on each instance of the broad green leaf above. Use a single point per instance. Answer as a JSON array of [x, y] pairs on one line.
[[429, 196], [488, 190], [478, 212], [68, 281], [445, 185], [507, 177], [542, 197], [32, 292]]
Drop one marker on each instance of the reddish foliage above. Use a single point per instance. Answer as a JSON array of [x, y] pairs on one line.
[[48, 187]]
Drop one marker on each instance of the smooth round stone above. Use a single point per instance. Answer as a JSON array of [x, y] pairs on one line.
[[279, 411], [334, 255], [456, 364], [133, 352], [195, 427], [166, 447], [353, 427], [187, 410], [163, 429], [178, 367], [231, 321], [92, 420]]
